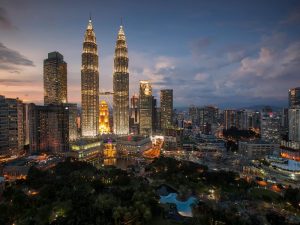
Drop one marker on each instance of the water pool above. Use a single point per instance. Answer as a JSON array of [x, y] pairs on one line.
[[183, 208]]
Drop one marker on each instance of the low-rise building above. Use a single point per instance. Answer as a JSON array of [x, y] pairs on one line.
[[133, 145], [257, 149], [88, 150]]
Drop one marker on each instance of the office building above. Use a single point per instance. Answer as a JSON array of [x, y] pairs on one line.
[[134, 119], [12, 126], [208, 116], [194, 115], [89, 84], [166, 108], [294, 124], [121, 86], [145, 108], [257, 149], [242, 120], [73, 130], [229, 118], [294, 97], [49, 128], [270, 126], [55, 79], [155, 117]]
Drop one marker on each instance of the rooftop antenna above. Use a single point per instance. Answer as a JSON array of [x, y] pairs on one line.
[[121, 21], [90, 16]]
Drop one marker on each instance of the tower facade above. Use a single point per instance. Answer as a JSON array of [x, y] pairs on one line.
[[166, 107], [55, 79], [121, 86], [89, 84], [145, 108]]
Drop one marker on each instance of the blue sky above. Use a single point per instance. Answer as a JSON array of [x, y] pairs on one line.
[[226, 53]]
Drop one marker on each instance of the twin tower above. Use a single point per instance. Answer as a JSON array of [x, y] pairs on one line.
[[90, 85]]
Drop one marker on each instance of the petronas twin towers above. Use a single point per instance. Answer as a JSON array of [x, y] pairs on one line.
[[90, 85]]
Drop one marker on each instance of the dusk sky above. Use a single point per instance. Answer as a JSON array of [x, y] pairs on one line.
[[225, 53]]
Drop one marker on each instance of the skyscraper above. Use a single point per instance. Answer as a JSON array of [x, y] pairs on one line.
[[145, 108], [12, 126], [229, 118], [55, 79], [134, 119], [89, 84], [270, 126], [194, 115], [103, 118], [73, 131], [49, 128], [294, 124], [121, 86], [294, 97], [166, 108], [154, 114]]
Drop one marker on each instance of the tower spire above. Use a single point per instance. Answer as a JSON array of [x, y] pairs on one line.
[[89, 84], [90, 25], [121, 85]]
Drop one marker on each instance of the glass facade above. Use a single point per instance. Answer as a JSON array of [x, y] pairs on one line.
[[55, 79], [89, 84], [145, 108], [166, 108], [121, 86]]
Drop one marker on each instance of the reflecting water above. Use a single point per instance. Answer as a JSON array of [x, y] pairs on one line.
[[183, 207]]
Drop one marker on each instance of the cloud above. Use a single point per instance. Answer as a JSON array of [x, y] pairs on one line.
[[232, 75], [15, 82], [198, 45], [272, 63], [269, 74], [292, 18], [201, 76], [5, 22], [10, 58]]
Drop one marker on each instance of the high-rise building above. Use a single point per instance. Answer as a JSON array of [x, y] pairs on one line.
[[49, 128], [254, 120], [73, 130], [166, 108], [121, 86], [229, 118], [270, 126], [134, 119], [12, 126], [208, 116], [104, 127], [294, 97], [158, 119], [294, 124], [55, 79], [145, 108], [154, 115], [89, 84], [242, 120], [194, 115]]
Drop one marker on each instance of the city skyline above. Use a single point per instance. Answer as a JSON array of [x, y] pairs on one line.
[[220, 58]]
